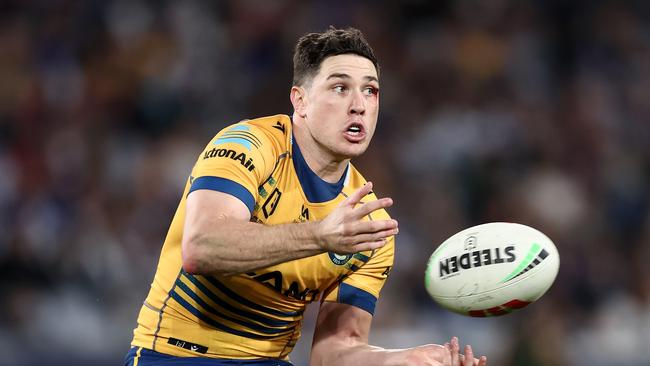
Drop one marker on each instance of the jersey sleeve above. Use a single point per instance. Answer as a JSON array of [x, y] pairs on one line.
[[237, 161], [362, 287]]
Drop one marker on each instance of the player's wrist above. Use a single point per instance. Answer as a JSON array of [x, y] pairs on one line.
[[305, 237], [316, 236]]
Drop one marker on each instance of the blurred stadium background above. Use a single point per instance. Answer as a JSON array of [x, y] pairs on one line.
[[530, 111]]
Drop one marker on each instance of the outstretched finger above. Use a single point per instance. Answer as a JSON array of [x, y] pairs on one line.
[[469, 356], [372, 206], [370, 230], [356, 197], [368, 245], [455, 350]]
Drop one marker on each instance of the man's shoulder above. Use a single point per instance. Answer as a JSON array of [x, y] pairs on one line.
[[275, 130], [277, 126]]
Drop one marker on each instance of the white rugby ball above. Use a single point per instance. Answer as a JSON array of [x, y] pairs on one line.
[[492, 269]]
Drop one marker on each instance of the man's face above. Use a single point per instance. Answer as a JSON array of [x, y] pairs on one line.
[[341, 105]]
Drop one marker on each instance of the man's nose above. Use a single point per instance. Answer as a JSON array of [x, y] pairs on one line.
[[358, 103]]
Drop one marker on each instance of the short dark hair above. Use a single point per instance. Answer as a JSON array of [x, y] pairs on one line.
[[313, 48]]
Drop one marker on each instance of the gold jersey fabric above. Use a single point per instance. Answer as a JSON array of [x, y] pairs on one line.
[[257, 314]]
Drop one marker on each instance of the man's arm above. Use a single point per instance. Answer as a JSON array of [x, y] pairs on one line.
[[219, 238], [341, 338]]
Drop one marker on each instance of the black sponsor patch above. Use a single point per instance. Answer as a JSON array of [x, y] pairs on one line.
[[188, 345], [271, 203]]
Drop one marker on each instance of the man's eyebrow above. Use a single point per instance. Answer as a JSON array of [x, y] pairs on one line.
[[338, 75], [346, 76]]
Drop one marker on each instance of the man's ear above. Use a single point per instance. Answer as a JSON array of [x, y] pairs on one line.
[[298, 98]]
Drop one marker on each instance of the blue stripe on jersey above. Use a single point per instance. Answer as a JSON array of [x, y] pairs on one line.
[[238, 311], [213, 322], [239, 128], [226, 186], [249, 303], [235, 140], [229, 136], [354, 296], [316, 190], [247, 135], [216, 312], [152, 358]]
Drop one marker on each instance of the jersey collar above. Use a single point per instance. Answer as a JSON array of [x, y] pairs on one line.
[[316, 190]]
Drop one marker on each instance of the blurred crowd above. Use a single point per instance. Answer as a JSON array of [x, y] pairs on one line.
[[529, 111]]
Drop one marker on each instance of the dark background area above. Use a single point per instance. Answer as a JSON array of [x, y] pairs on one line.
[[529, 111]]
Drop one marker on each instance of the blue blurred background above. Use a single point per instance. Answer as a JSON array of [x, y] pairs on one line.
[[529, 111]]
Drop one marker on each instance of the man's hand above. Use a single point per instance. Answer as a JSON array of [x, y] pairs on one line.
[[437, 355], [341, 338], [345, 231]]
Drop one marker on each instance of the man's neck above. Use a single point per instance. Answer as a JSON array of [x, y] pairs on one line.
[[319, 160]]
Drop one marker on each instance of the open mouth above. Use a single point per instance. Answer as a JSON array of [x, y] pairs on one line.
[[355, 129], [355, 132]]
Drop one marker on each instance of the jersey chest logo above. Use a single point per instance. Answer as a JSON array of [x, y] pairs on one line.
[[339, 259]]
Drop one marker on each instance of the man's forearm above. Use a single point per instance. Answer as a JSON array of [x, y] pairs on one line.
[[359, 355], [235, 246], [339, 354]]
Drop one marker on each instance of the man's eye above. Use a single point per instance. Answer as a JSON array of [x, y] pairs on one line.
[[339, 88], [371, 90]]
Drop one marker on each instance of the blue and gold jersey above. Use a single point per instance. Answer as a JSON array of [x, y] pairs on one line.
[[257, 314]]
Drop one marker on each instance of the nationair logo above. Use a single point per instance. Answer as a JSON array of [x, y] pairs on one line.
[[241, 135], [231, 154], [339, 259]]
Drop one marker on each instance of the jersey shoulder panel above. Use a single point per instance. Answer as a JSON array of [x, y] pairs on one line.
[[277, 127], [241, 157]]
